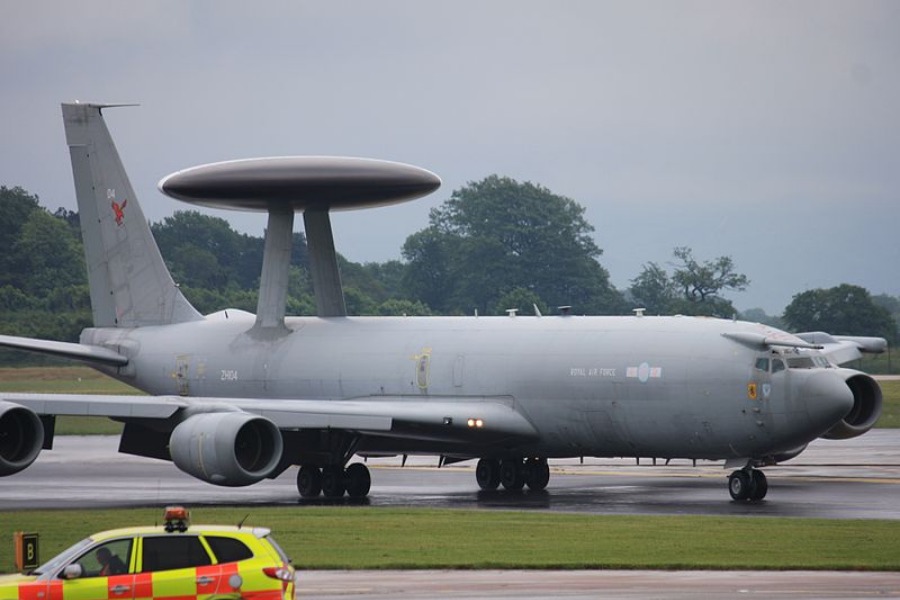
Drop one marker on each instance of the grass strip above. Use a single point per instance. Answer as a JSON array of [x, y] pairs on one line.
[[387, 538]]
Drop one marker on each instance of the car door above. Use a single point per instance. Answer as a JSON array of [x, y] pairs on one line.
[[178, 565], [106, 573]]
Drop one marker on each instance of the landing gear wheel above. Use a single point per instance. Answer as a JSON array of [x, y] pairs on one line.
[[759, 485], [309, 481], [358, 481], [739, 485], [333, 482], [537, 474], [487, 474], [512, 474]]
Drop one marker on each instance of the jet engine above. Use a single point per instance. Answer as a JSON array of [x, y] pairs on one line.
[[781, 457], [21, 438], [226, 448], [866, 407]]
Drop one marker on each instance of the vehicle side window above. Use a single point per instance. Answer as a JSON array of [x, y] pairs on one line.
[[762, 364], [173, 552], [228, 549], [111, 558], [777, 365]]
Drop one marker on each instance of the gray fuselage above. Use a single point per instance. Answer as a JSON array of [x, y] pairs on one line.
[[598, 386]]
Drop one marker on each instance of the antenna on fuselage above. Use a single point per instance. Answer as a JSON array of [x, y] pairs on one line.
[[314, 185]]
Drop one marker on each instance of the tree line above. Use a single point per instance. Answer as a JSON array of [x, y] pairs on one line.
[[494, 245]]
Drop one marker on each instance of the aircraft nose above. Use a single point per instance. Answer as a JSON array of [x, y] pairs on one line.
[[827, 396]]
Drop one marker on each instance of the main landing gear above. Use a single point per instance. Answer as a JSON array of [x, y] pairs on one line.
[[334, 481], [748, 484], [512, 473]]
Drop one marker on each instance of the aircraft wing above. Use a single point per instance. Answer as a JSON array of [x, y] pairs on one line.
[[444, 418], [82, 352], [86, 405]]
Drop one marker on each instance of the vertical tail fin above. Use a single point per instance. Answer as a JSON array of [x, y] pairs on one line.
[[129, 282]]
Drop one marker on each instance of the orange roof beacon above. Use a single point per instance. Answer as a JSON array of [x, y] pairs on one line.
[[175, 560]]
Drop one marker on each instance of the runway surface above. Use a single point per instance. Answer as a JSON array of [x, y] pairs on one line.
[[857, 479], [582, 585]]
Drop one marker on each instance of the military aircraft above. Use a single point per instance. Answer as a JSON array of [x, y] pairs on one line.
[[236, 398]]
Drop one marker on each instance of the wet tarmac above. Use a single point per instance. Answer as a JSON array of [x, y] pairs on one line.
[[582, 585], [857, 479]]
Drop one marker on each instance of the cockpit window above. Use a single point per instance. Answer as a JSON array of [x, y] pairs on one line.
[[777, 365], [821, 361], [800, 362], [762, 364]]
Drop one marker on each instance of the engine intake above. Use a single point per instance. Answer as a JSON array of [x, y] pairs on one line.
[[866, 409], [21, 438], [226, 448]]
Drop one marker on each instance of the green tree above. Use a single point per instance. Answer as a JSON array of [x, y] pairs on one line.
[[498, 234], [702, 283], [758, 315], [842, 310], [47, 254], [427, 276], [397, 307], [363, 281], [202, 251], [358, 302], [653, 290], [522, 300], [16, 206], [389, 275], [694, 288]]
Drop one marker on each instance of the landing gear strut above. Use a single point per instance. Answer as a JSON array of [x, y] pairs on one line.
[[334, 481], [748, 484], [512, 473]]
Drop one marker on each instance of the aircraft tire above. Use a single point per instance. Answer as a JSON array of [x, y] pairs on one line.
[[512, 474], [537, 474], [333, 482], [358, 480], [309, 481], [759, 485], [487, 474], [740, 485]]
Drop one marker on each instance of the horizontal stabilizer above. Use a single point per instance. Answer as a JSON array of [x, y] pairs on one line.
[[845, 348], [81, 352], [758, 340]]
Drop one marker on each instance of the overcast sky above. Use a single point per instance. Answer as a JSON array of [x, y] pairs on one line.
[[768, 131]]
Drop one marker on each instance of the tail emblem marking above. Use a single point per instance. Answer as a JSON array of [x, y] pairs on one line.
[[119, 210]]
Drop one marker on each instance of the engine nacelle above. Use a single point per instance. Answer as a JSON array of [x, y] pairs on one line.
[[866, 407], [226, 448], [777, 459], [21, 438]]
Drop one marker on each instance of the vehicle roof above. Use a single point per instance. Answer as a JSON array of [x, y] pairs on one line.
[[258, 532]]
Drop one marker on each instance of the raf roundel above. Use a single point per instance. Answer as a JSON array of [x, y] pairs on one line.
[[300, 183]]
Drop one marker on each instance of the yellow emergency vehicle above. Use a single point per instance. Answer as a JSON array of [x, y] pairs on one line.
[[175, 561]]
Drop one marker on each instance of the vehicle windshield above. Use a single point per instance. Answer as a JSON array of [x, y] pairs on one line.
[[63, 558]]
